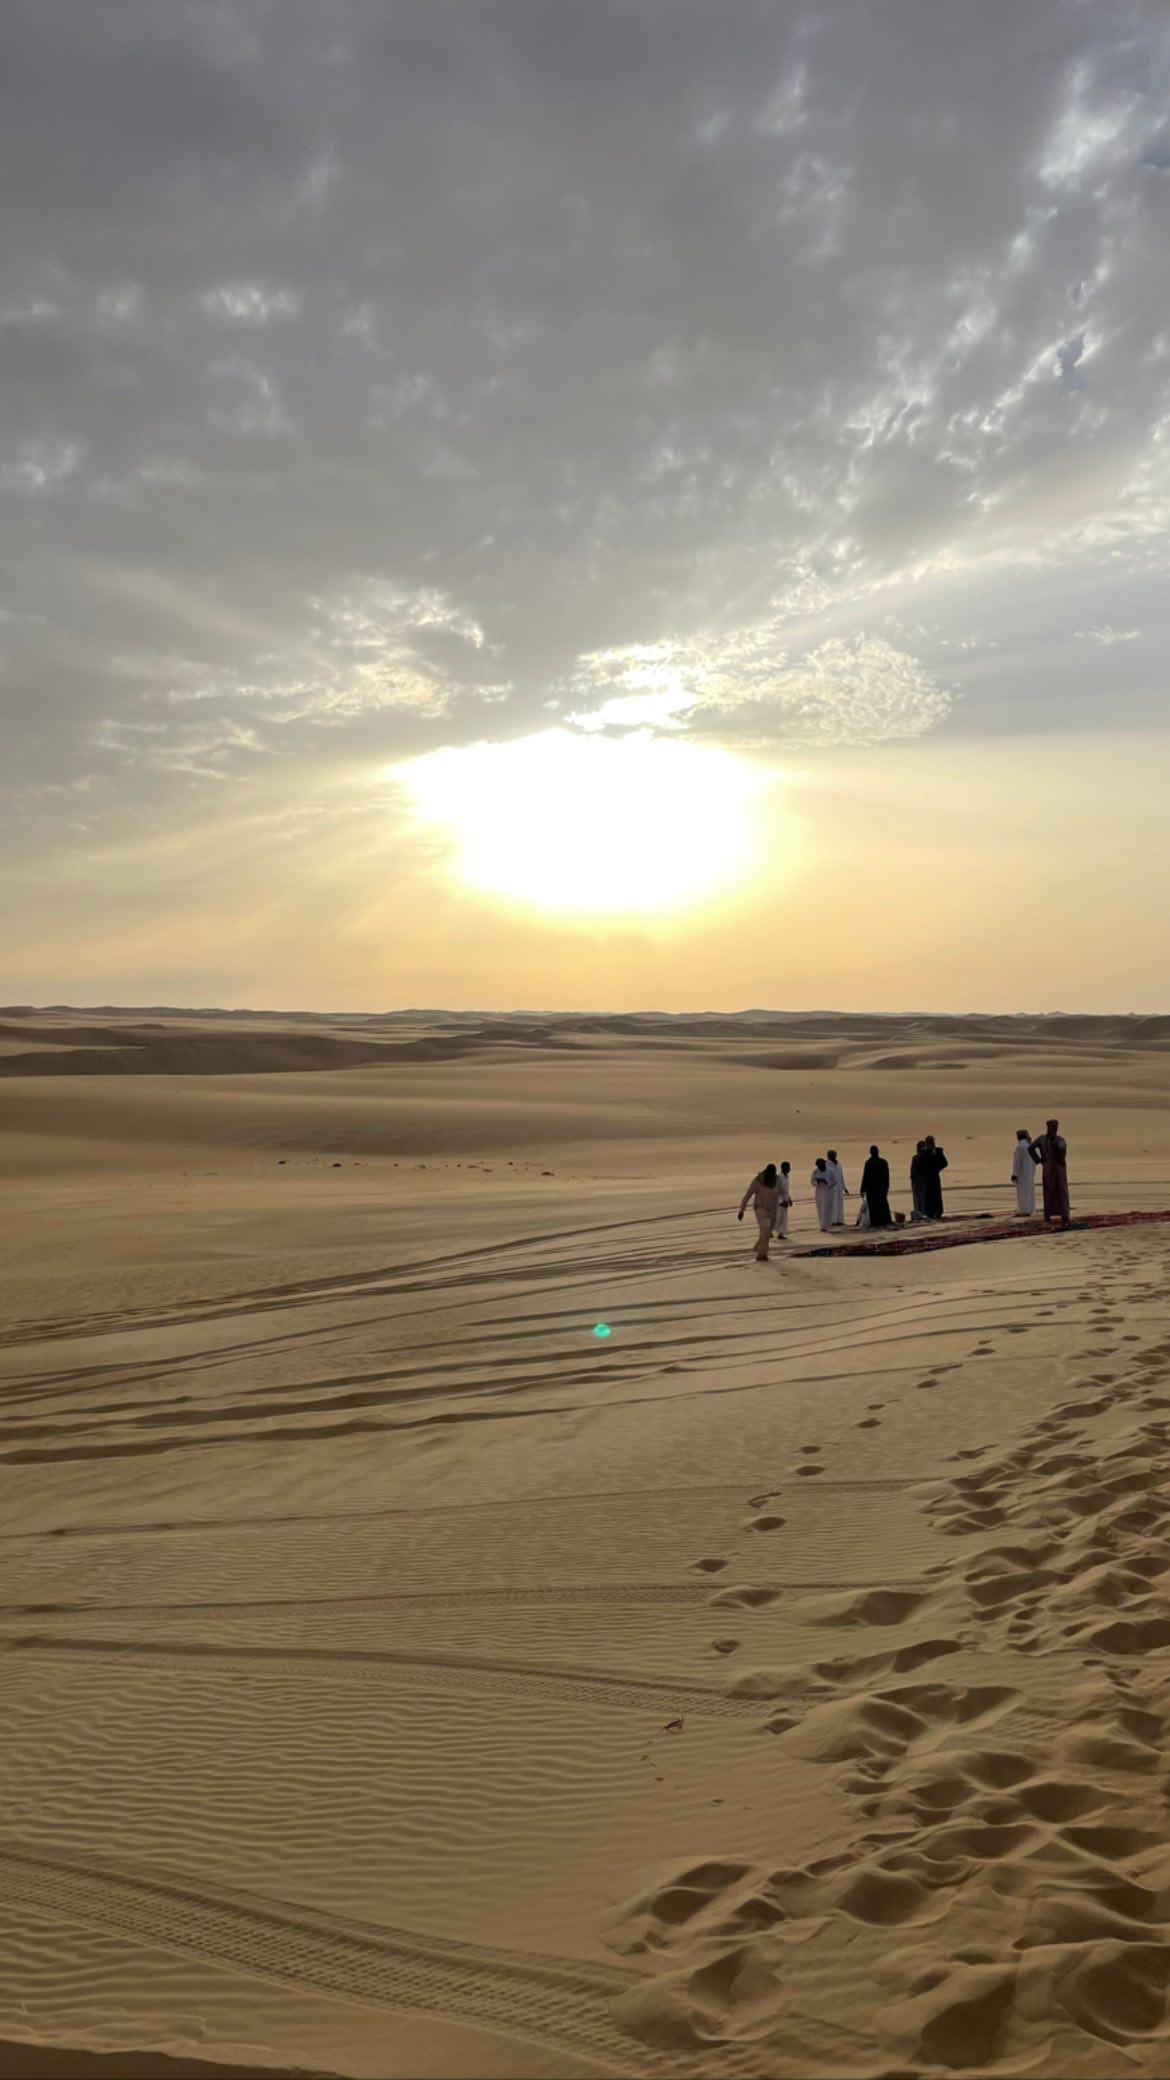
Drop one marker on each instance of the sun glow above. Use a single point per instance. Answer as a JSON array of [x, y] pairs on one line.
[[590, 824]]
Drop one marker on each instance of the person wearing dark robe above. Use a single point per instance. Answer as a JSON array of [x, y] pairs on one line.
[[934, 1163], [875, 1189], [1051, 1152], [918, 1183]]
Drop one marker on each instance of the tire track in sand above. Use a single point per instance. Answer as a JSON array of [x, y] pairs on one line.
[[555, 2001], [692, 1594], [427, 1671]]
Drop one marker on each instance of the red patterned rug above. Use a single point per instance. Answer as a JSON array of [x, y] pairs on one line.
[[905, 1242]]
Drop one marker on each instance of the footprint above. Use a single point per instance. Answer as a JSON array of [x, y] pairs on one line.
[[849, 1669], [647, 1921], [724, 1646], [765, 1523], [807, 1472], [810, 1449], [871, 1607], [708, 1566], [851, 1729], [868, 1423], [1058, 1799], [960, 2019]]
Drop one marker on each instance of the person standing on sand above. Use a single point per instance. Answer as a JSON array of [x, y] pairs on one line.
[[840, 1189], [1024, 1172], [934, 1163], [1051, 1152], [784, 1203], [875, 1189], [918, 1183], [764, 1194], [822, 1185]]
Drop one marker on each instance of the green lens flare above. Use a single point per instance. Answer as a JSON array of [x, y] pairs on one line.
[[602, 1330]]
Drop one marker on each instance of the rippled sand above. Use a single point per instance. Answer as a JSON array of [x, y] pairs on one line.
[[400, 1678]]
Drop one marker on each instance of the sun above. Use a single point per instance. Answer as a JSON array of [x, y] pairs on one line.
[[592, 825]]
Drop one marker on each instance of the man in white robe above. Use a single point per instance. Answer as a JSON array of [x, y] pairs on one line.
[[785, 1201], [1024, 1172], [840, 1190], [822, 1185]]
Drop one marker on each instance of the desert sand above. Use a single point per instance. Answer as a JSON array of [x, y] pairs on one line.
[[401, 1678]]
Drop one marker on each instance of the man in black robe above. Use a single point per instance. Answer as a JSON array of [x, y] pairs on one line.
[[875, 1189], [1051, 1150], [918, 1182], [934, 1162]]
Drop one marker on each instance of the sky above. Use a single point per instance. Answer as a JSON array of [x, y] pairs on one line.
[[643, 503]]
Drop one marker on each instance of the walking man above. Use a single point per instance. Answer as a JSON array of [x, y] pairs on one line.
[[763, 1193], [1051, 1152]]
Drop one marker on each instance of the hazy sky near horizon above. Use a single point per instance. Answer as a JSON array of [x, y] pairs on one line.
[[646, 502]]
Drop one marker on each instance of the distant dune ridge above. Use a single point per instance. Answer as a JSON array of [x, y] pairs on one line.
[[400, 1678], [63, 1042]]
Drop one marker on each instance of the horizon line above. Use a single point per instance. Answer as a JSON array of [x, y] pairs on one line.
[[757, 1011]]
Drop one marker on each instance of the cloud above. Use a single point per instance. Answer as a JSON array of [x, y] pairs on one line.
[[376, 652], [744, 688], [1102, 633], [373, 376], [35, 466], [247, 303]]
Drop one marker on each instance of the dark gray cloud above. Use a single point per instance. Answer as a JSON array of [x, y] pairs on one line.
[[380, 376]]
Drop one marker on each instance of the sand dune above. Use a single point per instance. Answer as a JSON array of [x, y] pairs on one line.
[[401, 1678], [159, 1050], [75, 1044]]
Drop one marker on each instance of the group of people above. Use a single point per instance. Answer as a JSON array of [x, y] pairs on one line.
[[831, 1191], [1048, 1153], [770, 1191]]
